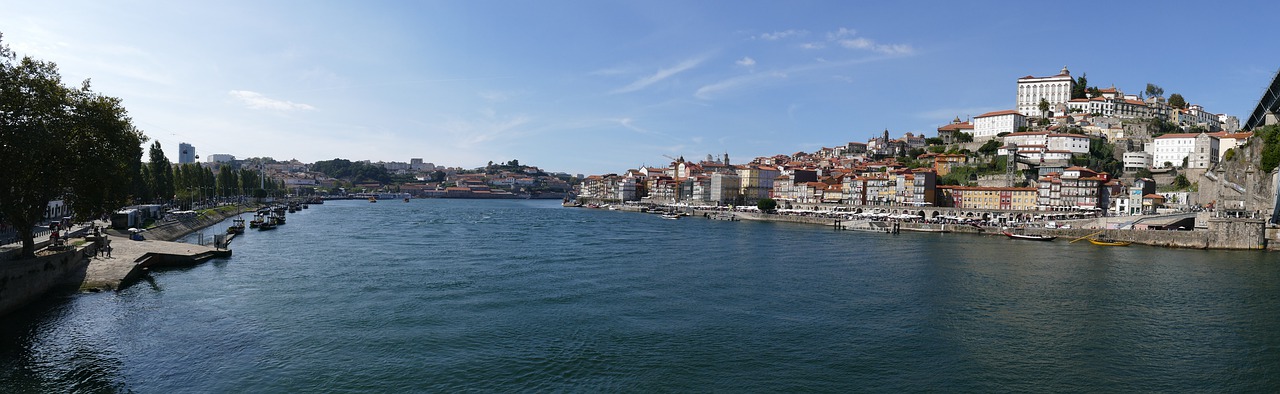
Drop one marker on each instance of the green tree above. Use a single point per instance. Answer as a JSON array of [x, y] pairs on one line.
[[1176, 101], [1081, 88], [1154, 91], [1270, 136], [161, 171], [1180, 182], [1142, 173], [767, 204], [964, 137], [990, 147], [1044, 106], [57, 141]]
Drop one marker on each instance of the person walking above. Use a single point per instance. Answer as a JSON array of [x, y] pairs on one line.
[[108, 249]]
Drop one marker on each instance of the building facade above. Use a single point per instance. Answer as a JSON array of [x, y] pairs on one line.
[[1054, 89]]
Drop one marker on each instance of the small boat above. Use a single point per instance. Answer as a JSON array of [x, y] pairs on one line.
[[373, 199], [672, 216], [269, 224], [1037, 237], [406, 199], [1108, 242], [237, 227]]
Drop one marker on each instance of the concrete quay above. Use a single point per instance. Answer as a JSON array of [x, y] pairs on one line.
[[130, 260]]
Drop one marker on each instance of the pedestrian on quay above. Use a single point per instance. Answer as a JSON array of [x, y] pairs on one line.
[[108, 249]]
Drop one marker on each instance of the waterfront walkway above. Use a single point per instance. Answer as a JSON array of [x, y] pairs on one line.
[[129, 259]]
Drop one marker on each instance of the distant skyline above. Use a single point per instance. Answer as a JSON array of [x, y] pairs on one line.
[[597, 87]]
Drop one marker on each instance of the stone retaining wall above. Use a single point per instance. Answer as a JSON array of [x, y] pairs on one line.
[[24, 281]]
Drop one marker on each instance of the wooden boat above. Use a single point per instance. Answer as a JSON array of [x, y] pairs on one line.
[[1037, 237], [237, 227], [1108, 242], [373, 199]]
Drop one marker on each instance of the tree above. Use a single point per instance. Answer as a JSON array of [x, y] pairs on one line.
[[1078, 91], [990, 147], [161, 171], [964, 137], [1176, 101], [1154, 91], [1181, 182], [767, 204], [1044, 106], [57, 141], [1142, 173]]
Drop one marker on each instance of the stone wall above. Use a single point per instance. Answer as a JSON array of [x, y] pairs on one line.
[[25, 281]]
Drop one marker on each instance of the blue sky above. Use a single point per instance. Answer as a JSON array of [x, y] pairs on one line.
[[601, 86]]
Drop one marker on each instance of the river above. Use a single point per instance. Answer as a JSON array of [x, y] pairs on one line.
[[515, 295]]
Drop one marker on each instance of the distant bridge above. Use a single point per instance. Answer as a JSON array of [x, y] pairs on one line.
[[1269, 103]]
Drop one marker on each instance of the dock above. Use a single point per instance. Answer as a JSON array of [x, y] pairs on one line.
[[131, 259]]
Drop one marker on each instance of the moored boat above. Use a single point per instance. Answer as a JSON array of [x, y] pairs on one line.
[[1036, 237], [1108, 242], [672, 216], [237, 226]]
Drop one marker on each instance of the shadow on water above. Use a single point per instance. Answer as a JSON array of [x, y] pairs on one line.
[[39, 353]]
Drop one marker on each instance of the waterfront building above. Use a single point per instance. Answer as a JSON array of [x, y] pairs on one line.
[[993, 198], [1053, 89], [725, 187], [1137, 160], [1205, 152], [186, 153], [1170, 150], [991, 124], [757, 181], [1075, 188], [1041, 145], [1137, 194], [1229, 140]]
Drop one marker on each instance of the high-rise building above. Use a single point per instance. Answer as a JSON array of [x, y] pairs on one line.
[[186, 153]]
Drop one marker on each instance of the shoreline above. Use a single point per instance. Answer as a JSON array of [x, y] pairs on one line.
[[1220, 234]]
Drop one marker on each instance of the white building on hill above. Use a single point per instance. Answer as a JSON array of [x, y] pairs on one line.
[[988, 125], [1054, 89]]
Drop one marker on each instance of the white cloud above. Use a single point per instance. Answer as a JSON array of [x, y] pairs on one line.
[[849, 38], [746, 61], [778, 35], [255, 100], [812, 45], [660, 75]]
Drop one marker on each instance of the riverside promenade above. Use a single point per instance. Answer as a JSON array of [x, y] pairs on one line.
[[131, 259]]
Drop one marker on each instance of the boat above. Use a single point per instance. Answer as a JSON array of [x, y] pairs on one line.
[[257, 221], [269, 224], [1036, 237], [406, 199], [373, 199], [1108, 242], [672, 216], [237, 227]]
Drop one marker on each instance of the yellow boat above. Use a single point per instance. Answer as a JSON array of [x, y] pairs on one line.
[[1103, 242]]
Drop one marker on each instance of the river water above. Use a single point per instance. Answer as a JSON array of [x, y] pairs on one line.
[[501, 296]]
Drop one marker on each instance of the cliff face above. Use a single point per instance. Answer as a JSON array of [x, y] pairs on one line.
[[1238, 184]]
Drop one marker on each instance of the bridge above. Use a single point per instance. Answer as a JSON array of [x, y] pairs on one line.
[[1269, 103]]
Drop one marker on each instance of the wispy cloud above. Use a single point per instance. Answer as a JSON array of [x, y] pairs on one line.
[[490, 128], [660, 75], [849, 38], [746, 61], [812, 45], [709, 91], [778, 35], [255, 100]]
